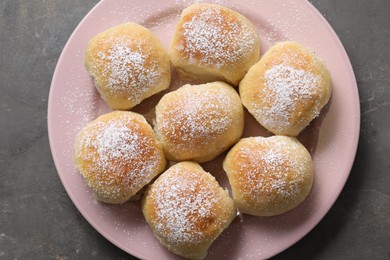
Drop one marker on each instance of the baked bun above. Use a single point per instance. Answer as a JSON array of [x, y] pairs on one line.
[[187, 209], [269, 176], [118, 154], [128, 64], [198, 122], [214, 43], [286, 89]]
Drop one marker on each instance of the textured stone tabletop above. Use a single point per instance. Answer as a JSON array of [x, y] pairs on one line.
[[39, 221]]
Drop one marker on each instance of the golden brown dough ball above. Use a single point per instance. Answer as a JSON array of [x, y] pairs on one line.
[[187, 209], [214, 43], [118, 154], [198, 122], [269, 176], [128, 64], [286, 89]]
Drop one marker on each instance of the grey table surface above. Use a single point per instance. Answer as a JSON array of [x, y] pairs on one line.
[[39, 221]]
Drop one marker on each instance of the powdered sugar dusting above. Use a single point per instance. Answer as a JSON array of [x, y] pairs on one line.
[[198, 114], [121, 158], [272, 169], [213, 36], [68, 118], [184, 202], [285, 88], [129, 70], [77, 90]]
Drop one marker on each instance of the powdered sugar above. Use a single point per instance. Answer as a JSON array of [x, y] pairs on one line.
[[128, 68], [184, 202], [121, 156], [285, 88], [114, 142], [273, 168], [213, 36], [199, 115]]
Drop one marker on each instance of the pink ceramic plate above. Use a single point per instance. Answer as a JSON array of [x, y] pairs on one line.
[[332, 138]]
